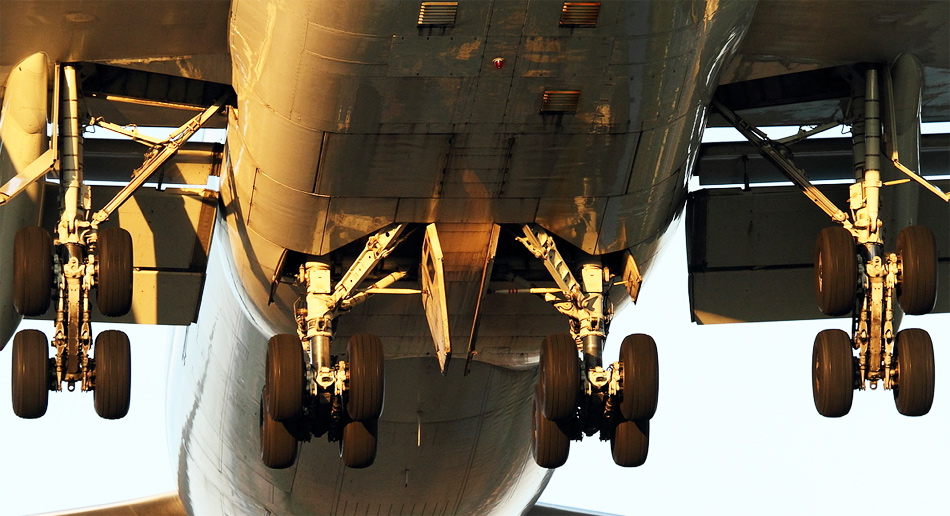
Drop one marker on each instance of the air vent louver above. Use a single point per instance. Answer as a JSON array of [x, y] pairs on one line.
[[580, 14], [438, 14], [560, 101]]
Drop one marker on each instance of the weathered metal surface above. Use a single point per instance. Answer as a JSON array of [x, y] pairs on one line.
[[185, 39], [381, 108]]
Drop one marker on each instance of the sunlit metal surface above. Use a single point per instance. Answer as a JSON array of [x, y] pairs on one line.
[[473, 457], [186, 39], [378, 110]]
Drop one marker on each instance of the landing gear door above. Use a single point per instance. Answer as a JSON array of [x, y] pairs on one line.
[[433, 295]]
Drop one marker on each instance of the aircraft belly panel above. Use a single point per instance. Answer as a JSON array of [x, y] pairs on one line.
[[387, 165], [300, 215], [367, 105]]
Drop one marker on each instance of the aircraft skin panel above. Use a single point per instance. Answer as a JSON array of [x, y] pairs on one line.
[[868, 31], [389, 110], [466, 439], [186, 39]]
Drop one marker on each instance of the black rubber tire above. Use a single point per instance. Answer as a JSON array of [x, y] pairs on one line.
[[284, 378], [917, 289], [114, 257], [641, 377], [550, 443], [559, 377], [113, 360], [30, 374], [832, 375], [630, 443], [358, 446], [278, 445], [914, 394], [836, 271], [366, 380], [32, 270]]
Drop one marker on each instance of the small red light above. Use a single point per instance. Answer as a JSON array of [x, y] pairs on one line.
[[498, 62]]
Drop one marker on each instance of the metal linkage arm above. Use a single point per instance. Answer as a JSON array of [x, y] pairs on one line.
[[136, 136], [542, 246], [923, 182], [377, 247], [162, 153], [40, 166], [380, 287], [769, 151]]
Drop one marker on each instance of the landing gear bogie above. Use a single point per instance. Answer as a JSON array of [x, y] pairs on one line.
[[314, 400], [597, 403]]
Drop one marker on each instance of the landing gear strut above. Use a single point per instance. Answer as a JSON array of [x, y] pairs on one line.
[[78, 259], [308, 392], [853, 273], [576, 395]]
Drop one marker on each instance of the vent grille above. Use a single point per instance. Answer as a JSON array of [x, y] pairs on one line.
[[560, 101], [438, 14], [580, 14]]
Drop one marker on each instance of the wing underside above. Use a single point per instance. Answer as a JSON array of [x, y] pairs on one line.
[[751, 233]]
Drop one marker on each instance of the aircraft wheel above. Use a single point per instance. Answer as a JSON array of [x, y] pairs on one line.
[[358, 447], [914, 394], [114, 257], [641, 372], [836, 271], [113, 375], [832, 374], [30, 374], [278, 445], [917, 290], [630, 443], [550, 444], [285, 378], [560, 377], [365, 395], [32, 270]]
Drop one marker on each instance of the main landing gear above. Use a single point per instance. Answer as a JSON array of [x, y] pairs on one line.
[[853, 272], [903, 362], [575, 394], [307, 392], [67, 267]]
